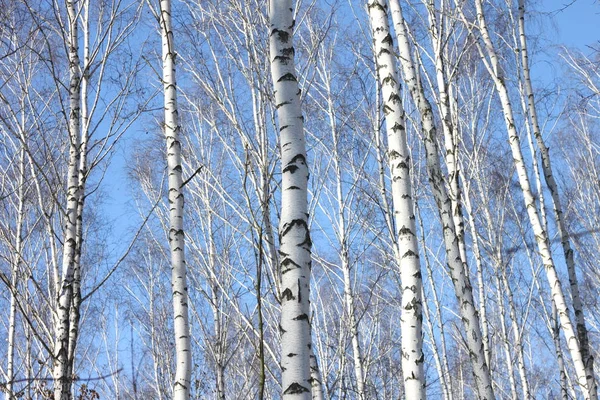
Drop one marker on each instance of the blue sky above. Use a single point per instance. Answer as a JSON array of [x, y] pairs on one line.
[[576, 22]]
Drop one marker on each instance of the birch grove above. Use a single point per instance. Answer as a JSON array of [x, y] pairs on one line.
[[382, 200]]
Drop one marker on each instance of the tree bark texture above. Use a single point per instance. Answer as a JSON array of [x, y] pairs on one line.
[[183, 359], [399, 162], [294, 236], [62, 380], [456, 263]]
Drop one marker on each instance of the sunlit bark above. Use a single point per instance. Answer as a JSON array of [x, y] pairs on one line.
[[402, 196], [172, 129], [62, 380], [582, 333], [490, 58], [295, 243]]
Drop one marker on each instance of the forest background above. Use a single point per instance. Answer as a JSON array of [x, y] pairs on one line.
[[125, 348]]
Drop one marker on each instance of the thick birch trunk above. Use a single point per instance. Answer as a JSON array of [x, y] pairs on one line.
[[62, 380], [183, 357], [582, 333], [399, 162], [294, 236], [540, 233], [456, 264]]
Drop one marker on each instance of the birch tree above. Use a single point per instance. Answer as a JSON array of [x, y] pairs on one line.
[[172, 129], [490, 58], [456, 262], [399, 163], [294, 235], [58, 285], [582, 333], [62, 381]]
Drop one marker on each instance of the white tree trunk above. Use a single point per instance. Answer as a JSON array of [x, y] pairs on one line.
[[441, 360], [456, 264], [62, 380], [183, 371], [15, 279], [517, 343], [343, 235], [294, 236], [510, 371], [558, 213], [450, 126], [480, 279], [316, 379], [74, 312], [399, 162], [540, 234], [555, 330]]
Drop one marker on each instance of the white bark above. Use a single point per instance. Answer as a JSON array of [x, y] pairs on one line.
[[399, 162], [74, 312], [555, 329], [517, 343], [540, 234], [62, 380], [456, 264], [510, 371], [183, 371], [316, 379], [294, 241], [558, 213], [343, 237], [440, 360], [480, 280], [15, 279], [450, 126]]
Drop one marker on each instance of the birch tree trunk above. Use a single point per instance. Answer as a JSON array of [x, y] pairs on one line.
[[448, 124], [582, 333], [541, 236], [517, 334], [510, 371], [343, 235], [399, 161], [75, 316], [456, 264], [555, 329], [447, 106], [183, 357], [441, 360], [15, 279], [62, 380], [294, 235]]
